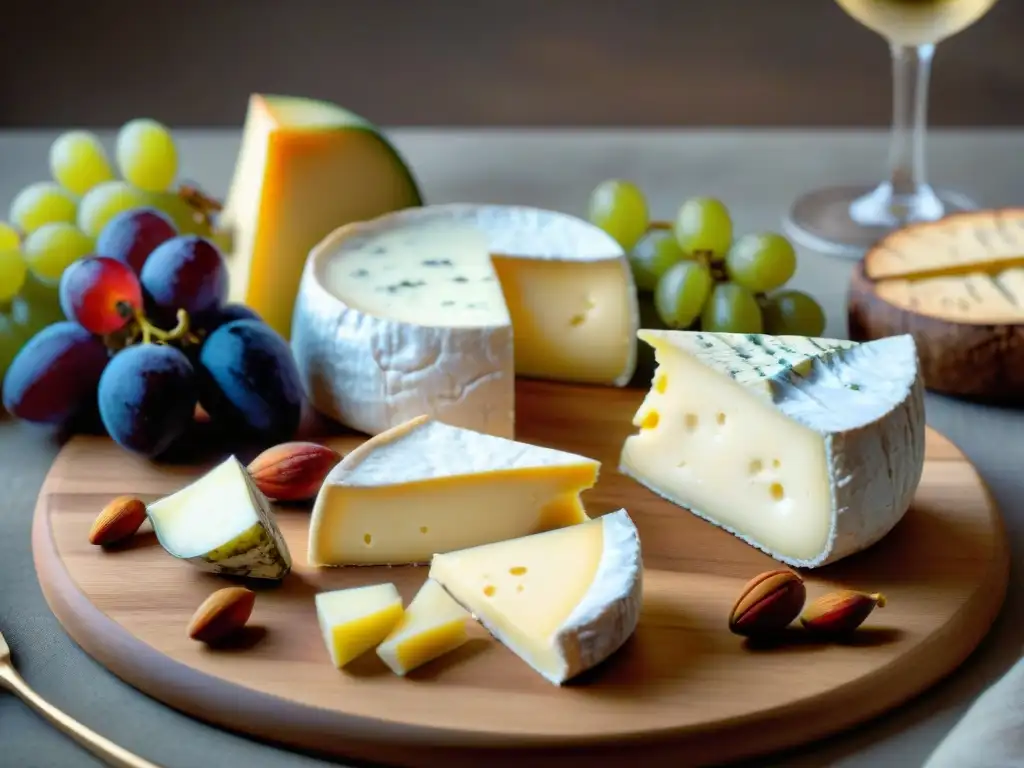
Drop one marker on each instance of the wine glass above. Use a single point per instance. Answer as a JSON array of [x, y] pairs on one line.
[[846, 220]]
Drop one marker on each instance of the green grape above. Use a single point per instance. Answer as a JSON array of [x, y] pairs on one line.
[[44, 294], [79, 162], [731, 309], [681, 293], [12, 339], [182, 215], [12, 274], [41, 203], [703, 225], [10, 240], [103, 202], [619, 208], [53, 248], [146, 155], [761, 263], [652, 256], [793, 313]]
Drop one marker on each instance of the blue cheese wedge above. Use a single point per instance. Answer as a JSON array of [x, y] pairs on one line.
[[223, 524], [435, 310], [809, 449]]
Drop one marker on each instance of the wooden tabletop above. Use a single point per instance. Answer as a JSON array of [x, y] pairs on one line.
[[758, 174]]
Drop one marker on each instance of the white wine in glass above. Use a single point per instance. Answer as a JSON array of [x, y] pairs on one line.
[[847, 220]]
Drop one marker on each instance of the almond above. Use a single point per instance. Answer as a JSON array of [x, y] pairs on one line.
[[840, 612], [768, 603], [120, 519], [293, 471], [221, 614]]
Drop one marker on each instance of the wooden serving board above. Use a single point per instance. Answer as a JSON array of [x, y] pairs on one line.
[[682, 691]]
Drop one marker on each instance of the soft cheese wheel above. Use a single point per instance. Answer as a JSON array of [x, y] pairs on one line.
[[426, 487], [435, 310], [563, 601], [809, 449]]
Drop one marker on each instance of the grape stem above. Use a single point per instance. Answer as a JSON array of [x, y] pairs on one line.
[[716, 266], [151, 334]]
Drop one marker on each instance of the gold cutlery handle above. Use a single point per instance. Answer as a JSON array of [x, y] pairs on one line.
[[103, 748]]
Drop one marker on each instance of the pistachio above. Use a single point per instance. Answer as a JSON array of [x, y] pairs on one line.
[[768, 603]]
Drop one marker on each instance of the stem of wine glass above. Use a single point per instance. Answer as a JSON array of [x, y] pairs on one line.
[[911, 68]]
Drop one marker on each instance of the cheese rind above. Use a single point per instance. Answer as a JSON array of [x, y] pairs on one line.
[[433, 625], [434, 310], [223, 524], [304, 168], [809, 449], [355, 620], [426, 487], [563, 601]]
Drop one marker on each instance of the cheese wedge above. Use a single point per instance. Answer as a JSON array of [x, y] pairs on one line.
[[426, 487], [435, 310], [809, 449], [976, 241], [433, 625], [355, 620], [223, 524], [563, 601], [304, 168]]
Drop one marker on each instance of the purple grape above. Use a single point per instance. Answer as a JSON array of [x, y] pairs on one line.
[[211, 321], [54, 376], [131, 236], [186, 272], [147, 397], [248, 380]]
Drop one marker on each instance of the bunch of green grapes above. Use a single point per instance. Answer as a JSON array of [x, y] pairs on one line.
[[54, 223], [693, 274]]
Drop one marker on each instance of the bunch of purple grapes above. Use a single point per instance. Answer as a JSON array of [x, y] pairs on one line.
[[148, 337]]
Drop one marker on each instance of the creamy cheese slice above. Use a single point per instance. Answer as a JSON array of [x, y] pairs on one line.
[[435, 310], [222, 523], [809, 449], [426, 487], [355, 620], [433, 625], [563, 601]]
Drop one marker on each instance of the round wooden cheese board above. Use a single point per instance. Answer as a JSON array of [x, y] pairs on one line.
[[682, 691]]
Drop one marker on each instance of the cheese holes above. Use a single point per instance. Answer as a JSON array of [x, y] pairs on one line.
[[489, 590], [423, 529], [577, 320], [519, 587], [661, 383], [367, 539], [756, 466], [691, 421], [720, 418], [776, 463], [650, 421], [517, 570], [777, 491]]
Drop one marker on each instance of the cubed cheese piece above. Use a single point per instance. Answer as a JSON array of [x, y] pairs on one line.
[[433, 625], [355, 620], [426, 487], [809, 449], [305, 167], [435, 310], [222, 523], [563, 601]]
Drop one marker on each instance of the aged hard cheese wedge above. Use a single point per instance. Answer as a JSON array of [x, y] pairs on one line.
[[223, 524], [435, 310], [809, 449], [305, 167], [426, 487], [563, 601], [957, 286], [355, 620], [433, 625]]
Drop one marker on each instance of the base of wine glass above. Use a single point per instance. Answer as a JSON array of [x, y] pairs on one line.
[[846, 221]]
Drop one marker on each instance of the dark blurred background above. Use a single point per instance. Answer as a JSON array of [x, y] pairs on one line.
[[488, 62]]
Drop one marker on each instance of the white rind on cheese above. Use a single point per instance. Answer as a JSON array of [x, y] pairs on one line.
[[426, 487], [600, 622], [846, 423], [375, 349]]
